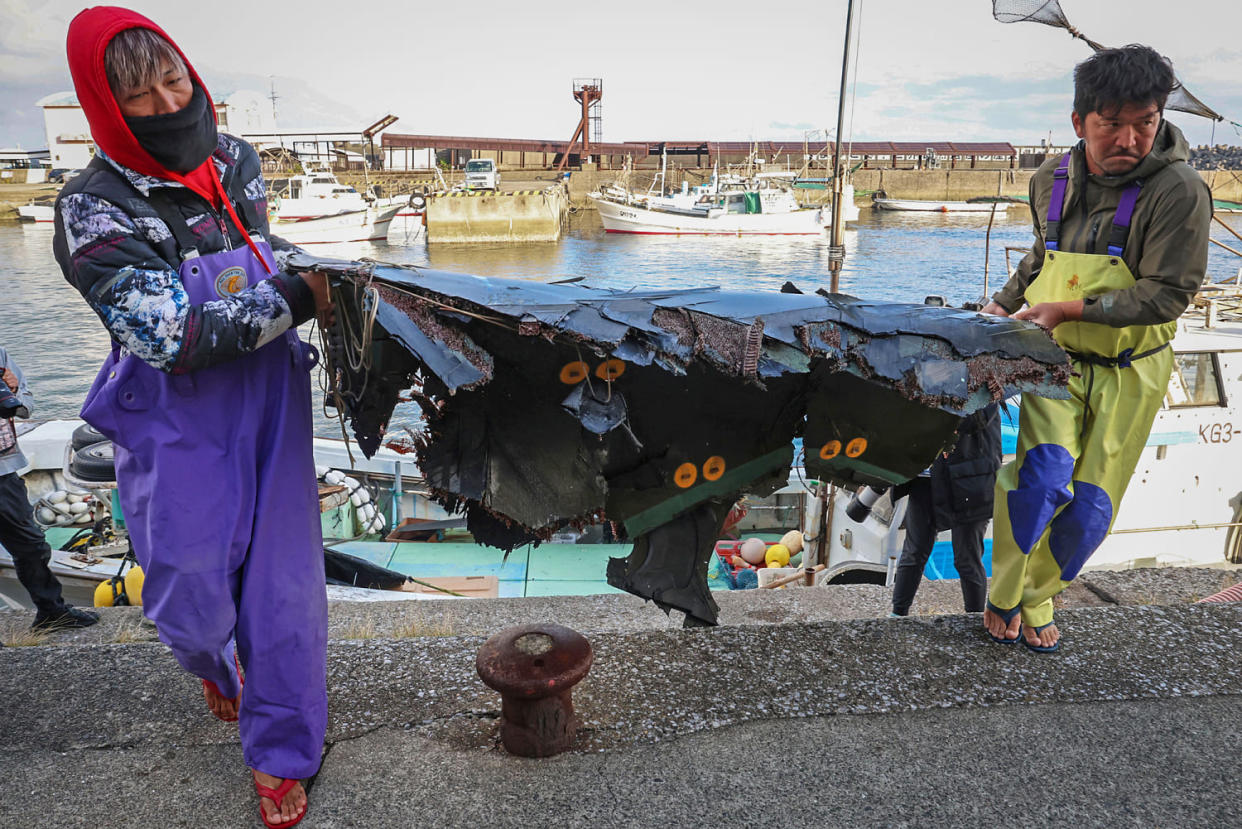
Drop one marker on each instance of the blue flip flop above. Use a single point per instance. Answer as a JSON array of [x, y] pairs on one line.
[[1006, 617], [1040, 648]]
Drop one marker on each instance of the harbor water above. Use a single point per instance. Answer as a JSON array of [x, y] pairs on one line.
[[59, 343]]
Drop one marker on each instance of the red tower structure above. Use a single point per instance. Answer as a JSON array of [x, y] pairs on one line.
[[588, 92]]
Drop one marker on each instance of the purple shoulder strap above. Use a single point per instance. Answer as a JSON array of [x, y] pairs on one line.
[[1060, 177], [1121, 220]]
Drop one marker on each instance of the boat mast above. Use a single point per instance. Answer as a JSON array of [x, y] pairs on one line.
[[836, 249]]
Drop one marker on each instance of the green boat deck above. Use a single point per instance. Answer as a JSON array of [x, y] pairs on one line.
[[546, 570], [550, 569]]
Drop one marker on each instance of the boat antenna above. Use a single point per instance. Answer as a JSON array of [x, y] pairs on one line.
[[836, 248]]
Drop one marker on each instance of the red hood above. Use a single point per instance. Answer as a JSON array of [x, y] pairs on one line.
[[89, 35]]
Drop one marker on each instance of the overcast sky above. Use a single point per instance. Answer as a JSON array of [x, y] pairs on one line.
[[671, 69]]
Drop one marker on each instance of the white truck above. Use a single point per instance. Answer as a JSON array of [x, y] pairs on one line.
[[482, 174]]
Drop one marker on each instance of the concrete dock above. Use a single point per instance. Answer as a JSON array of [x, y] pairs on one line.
[[804, 708]]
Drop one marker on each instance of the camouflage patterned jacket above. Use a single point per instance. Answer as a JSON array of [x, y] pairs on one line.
[[121, 256]]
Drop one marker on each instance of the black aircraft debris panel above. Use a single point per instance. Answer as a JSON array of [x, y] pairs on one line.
[[860, 432], [551, 405]]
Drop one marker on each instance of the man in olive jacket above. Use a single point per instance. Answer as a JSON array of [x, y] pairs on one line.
[[1121, 240]]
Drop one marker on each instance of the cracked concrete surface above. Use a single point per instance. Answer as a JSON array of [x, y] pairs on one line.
[[804, 708]]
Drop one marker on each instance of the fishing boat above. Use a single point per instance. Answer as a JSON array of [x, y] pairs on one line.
[[367, 224], [37, 212], [918, 206], [725, 205], [315, 208]]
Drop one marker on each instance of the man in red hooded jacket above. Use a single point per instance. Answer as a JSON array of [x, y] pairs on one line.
[[206, 394]]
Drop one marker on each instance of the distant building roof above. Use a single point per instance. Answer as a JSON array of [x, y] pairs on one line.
[[530, 145], [645, 148]]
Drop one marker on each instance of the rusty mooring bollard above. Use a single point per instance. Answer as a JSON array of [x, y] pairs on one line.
[[535, 667]]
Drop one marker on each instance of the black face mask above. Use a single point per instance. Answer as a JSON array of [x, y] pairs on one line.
[[180, 140]]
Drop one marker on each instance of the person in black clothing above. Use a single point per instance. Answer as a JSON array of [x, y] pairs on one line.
[[955, 494], [19, 534]]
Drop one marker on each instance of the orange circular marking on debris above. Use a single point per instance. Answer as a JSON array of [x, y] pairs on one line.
[[855, 447], [610, 369], [574, 373], [830, 450], [713, 468], [686, 475]]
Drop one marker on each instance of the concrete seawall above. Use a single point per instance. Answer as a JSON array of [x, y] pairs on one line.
[[932, 185], [805, 707], [518, 216]]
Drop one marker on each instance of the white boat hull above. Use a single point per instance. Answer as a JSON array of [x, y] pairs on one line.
[[940, 206], [369, 225], [39, 213], [629, 218]]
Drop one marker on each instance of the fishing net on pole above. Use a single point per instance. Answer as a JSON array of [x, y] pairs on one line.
[[1049, 13]]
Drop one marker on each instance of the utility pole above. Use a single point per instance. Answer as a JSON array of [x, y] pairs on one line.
[[836, 248], [272, 96]]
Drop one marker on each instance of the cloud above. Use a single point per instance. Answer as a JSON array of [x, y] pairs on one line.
[[32, 41]]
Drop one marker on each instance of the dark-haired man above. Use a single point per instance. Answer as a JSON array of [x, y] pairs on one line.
[[1121, 240]]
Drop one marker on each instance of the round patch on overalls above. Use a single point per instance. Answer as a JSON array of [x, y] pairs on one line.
[[230, 281]]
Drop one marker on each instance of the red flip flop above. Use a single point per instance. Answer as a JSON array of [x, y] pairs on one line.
[[208, 685], [277, 796]]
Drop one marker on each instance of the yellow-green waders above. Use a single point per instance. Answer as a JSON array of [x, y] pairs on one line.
[[1056, 502]]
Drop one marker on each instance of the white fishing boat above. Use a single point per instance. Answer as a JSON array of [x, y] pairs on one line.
[[728, 205], [368, 224], [315, 208], [37, 212], [884, 203]]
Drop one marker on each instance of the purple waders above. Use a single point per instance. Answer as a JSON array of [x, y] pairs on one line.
[[217, 482]]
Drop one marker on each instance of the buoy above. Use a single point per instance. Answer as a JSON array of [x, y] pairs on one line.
[[77, 507], [752, 550], [776, 556], [56, 496], [46, 516], [134, 579], [108, 591], [333, 477], [792, 541]]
